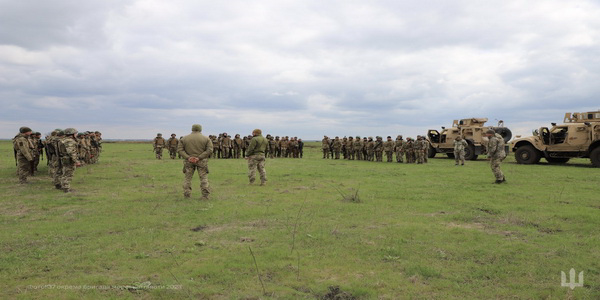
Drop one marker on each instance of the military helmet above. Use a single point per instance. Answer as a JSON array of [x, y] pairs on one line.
[[24, 129], [172, 134], [358, 137], [81, 134], [70, 131], [490, 131], [159, 134]]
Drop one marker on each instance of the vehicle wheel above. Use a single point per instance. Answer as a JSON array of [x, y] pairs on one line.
[[557, 160], [450, 155], [470, 152], [595, 157], [432, 152], [527, 155]]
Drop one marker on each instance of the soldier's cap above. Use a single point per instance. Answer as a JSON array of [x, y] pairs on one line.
[[172, 134], [24, 129], [256, 132], [358, 137], [197, 127], [159, 134], [97, 132], [389, 137], [490, 131], [38, 133]]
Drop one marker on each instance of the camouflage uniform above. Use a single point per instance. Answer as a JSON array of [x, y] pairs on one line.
[[172, 143], [399, 148], [195, 146], [237, 146], [388, 147], [408, 151], [325, 147], [350, 148], [370, 149], [358, 146], [419, 147], [337, 147], [58, 170], [496, 154], [459, 151], [159, 144], [283, 145], [227, 145], [23, 150], [378, 149], [256, 157], [68, 158]]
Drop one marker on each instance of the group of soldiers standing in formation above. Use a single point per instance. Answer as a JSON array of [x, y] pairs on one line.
[[225, 147], [369, 149], [65, 150]]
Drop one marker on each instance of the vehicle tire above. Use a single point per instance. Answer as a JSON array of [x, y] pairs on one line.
[[527, 155], [470, 152], [557, 160], [595, 157], [432, 152], [450, 155], [504, 132]]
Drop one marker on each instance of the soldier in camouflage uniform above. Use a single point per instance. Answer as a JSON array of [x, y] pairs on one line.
[[277, 148], [496, 154], [58, 171], [399, 149], [420, 146], [344, 151], [237, 147], [408, 150], [300, 148], [67, 151], [245, 143], [378, 149], [371, 149], [364, 149], [459, 150], [388, 147], [38, 146], [358, 145], [256, 157], [350, 148], [172, 143], [227, 145], [325, 146], [195, 149], [23, 152], [158, 144], [51, 155], [337, 147]]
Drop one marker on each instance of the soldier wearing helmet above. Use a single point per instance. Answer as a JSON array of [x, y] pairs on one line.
[[158, 144], [69, 159]]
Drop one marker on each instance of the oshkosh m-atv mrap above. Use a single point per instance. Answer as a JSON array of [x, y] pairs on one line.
[[579, 136], [472, 130]]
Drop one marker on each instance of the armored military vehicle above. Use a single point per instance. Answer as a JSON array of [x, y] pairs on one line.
[[472, 130], [579, 136]]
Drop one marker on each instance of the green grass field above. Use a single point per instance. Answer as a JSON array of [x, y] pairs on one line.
[[432, 231]]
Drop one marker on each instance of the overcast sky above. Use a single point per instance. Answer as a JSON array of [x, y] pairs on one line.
[[301, 68]]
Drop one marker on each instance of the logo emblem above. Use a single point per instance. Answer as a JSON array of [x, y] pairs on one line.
[[572, 280]]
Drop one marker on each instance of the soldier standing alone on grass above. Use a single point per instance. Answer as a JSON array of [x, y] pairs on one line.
[[496, 153], [159, 144], [256, 157], [459, 151], [195, 149]]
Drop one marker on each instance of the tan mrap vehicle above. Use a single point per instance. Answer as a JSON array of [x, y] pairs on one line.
[[472, 130], [579, 136]]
